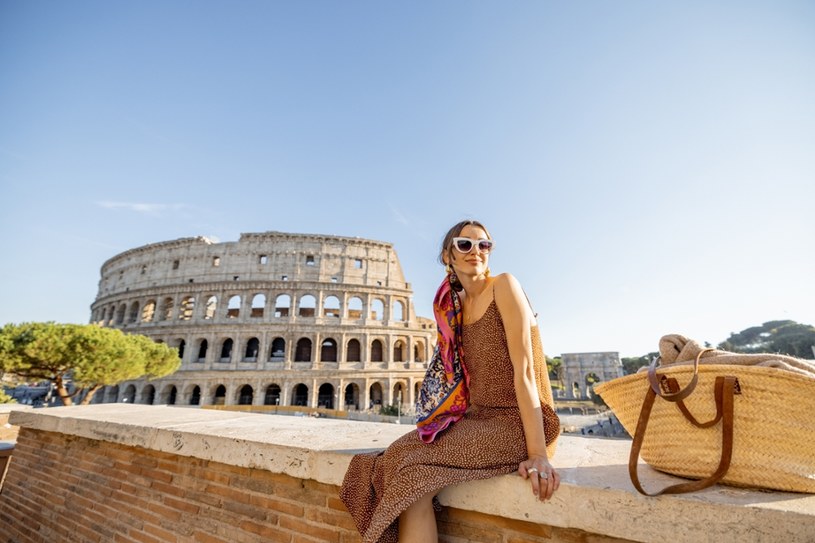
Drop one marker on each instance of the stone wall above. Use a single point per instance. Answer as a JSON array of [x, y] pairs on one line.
[[154, 474], [99, 492]]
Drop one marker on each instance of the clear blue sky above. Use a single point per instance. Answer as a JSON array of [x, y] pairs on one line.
[[645, 167]]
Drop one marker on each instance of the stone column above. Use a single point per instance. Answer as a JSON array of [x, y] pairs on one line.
[[365, 395], [317, 352], [388, 358], [313, 390]]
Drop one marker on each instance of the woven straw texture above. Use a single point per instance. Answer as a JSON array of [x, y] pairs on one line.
[[774, 425]]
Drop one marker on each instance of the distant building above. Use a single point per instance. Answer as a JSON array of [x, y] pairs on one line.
[[582, 370], [272, 319]]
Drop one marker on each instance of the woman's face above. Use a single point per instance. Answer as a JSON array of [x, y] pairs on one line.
[[474, 262]]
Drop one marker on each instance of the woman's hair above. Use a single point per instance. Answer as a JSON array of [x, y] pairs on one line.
[[455, 231]]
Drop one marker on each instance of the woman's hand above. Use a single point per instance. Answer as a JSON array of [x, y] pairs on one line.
[[545, 480]]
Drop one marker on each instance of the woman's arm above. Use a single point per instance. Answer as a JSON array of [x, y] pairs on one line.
[[518, 321]]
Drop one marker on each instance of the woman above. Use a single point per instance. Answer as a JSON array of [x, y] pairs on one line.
[[509, 423]]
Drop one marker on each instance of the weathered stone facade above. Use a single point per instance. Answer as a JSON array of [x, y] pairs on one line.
[[581, 370], [272, 319]]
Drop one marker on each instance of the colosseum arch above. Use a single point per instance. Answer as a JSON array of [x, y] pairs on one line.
[[353, 351], [400, 394], [328, 350], [398, 311], [357, 306], [282, 306], [201, 350], [377, 350], [149, 311], [307, 306], [148, 395], [226, 350], [187, 308], [246, 395], [167, 307], [277, 352], [377, 309], [273, 395], [219, 395], [299, 395], [133, 317], [210, 307], [258, 305], [352, 397], [375, 396], [129, 395], [250, 354], [181, 345], [110, 394], [195, 395], [168, 395], [399, 350], [418, 351], [302, 352], [331, 307], [120, 313], [325, 396], [233, 307]]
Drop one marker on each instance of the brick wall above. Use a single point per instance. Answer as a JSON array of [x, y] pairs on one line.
[[67, 488]]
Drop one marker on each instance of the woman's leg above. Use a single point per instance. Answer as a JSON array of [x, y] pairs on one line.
[[418, 522]]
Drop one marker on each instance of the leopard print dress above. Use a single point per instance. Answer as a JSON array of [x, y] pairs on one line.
[[487, 441]]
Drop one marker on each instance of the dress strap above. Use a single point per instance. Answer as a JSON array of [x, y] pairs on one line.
[[534, 313], [527, 301]]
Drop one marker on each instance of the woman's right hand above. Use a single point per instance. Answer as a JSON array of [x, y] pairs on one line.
[[545, 480]]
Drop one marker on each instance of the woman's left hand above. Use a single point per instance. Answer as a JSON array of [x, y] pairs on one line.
[[545, 480]]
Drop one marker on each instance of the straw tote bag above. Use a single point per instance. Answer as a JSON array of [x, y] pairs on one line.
[[716, 416]]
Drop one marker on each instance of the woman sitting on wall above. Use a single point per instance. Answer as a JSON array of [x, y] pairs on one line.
[[509, 425]]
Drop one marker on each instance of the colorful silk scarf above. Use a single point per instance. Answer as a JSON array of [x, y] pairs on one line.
[[444, 396]]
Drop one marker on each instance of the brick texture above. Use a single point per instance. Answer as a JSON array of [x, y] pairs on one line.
[[66, 488]]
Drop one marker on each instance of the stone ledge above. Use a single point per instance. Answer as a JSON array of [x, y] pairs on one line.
[[596, 495]]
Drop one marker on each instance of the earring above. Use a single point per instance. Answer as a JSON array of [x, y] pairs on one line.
[[454, 281]]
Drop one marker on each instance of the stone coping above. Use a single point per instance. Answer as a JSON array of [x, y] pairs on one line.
[[595, 495], [6, 408]]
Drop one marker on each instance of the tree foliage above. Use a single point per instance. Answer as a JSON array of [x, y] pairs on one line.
[[89, 356], [5, 398], [634, 363], [554, 366], [784, 337]]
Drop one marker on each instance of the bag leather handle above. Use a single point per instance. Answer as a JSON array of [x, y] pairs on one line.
[[725, 388], [653, 380], [672, 385]]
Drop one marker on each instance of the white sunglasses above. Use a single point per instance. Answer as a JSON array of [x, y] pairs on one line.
[[465, 245]]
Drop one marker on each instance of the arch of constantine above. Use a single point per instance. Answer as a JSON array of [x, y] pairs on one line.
[[272, 319], [581, 370]]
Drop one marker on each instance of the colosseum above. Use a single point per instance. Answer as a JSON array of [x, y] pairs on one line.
[[274, 319]]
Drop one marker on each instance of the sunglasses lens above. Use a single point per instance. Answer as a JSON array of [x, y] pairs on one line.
[[464, 245], [485, 246]]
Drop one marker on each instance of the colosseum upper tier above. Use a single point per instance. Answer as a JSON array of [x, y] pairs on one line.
[[272, 319]]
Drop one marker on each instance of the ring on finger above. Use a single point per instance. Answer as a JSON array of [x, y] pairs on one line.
[[531, 470], [543, 476]]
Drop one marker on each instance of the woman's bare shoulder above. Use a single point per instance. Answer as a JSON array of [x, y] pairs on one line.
[[507, 289]]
